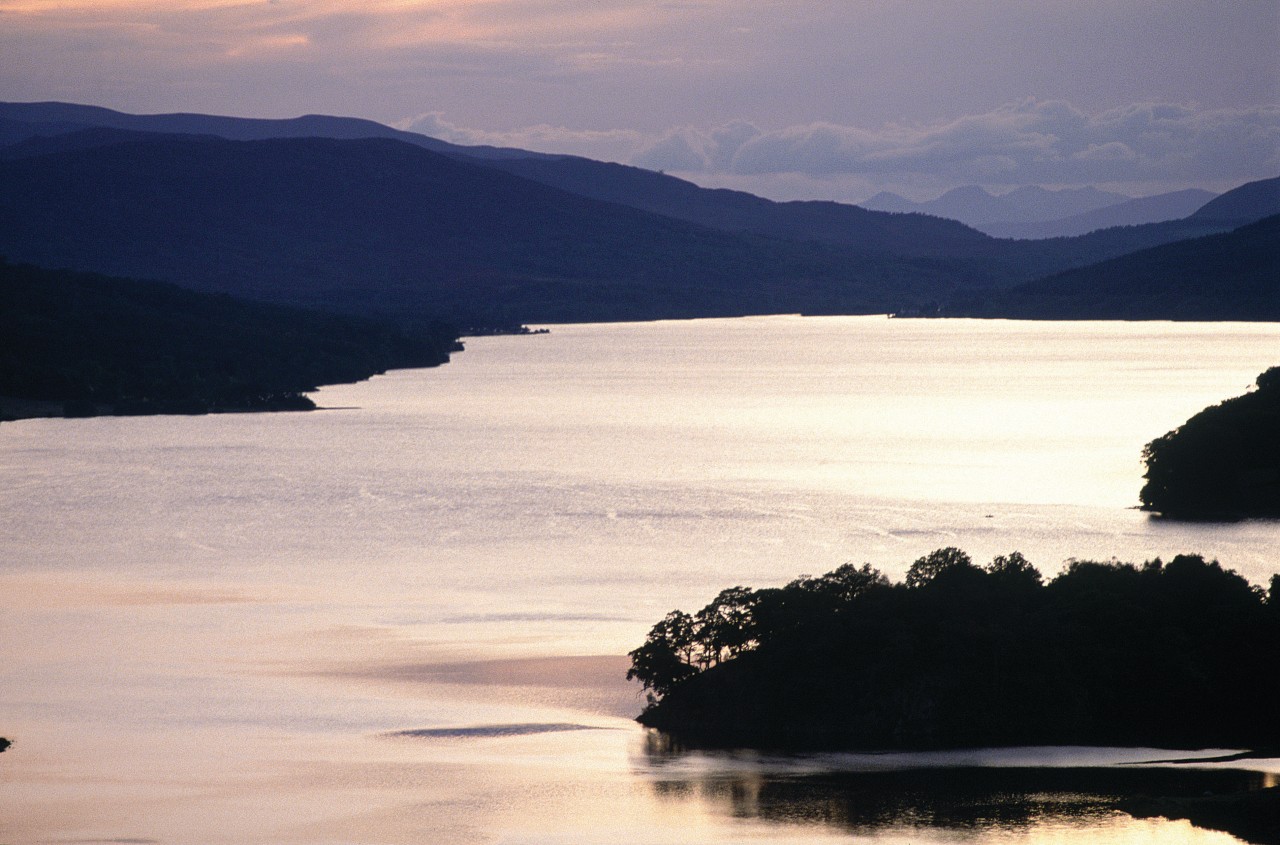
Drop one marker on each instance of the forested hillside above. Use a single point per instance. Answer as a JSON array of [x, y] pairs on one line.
[[83, 344]]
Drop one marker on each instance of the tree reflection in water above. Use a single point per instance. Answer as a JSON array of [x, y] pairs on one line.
[[873, 795]]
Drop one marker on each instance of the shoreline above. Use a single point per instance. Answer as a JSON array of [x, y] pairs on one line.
[[14, 409], [1253, 816]]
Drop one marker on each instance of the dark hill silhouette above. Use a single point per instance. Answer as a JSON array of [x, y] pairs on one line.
[[1229, 276], [82, 344], [21, 121], [379, 226], [733, 211], [15, 131], [1136, 212], [647, 190], [971, 258], [78, 139], [737, 211], [1249, 202], [1223, 463], [963, 255], [507, 250], [949, 254]]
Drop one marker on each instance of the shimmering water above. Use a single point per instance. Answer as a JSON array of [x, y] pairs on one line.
[[401, 620]]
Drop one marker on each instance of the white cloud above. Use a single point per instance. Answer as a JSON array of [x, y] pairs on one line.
[[609, 145], [1044, 142], [680, 149], [1110, 151], [1139, 148]]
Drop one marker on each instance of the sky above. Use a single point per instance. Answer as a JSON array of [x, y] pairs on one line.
[[832, 99]]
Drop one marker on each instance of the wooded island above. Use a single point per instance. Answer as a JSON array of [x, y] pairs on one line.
[[1173, 655]]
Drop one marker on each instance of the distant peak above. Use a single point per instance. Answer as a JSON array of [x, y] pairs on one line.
[[967, 192], [1029, 191]]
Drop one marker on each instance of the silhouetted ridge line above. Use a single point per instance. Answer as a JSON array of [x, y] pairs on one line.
[[384, 228], [349, 215], [1229, 276]]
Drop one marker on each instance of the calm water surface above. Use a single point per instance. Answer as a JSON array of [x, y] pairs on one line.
[[400, 620]]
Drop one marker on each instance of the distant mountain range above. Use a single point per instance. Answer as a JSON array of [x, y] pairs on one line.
[[1034, 212], [1135, 212], [975, 206], [353, 216]]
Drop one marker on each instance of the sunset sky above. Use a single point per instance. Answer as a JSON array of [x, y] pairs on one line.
[[789, 98]]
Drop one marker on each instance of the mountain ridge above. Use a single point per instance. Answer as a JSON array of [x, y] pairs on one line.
[[1225, 276], [1157, 208], [976, 207], [1250, 201], [61, 118], [376, 226], [379, 225]]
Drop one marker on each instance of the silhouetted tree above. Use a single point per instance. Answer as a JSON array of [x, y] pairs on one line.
[[726, 626], [929, 567], [1164, 654], [1014, 568], [668, 654], [843, 583]]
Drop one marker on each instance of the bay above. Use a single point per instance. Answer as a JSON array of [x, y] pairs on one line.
[[401, 619]]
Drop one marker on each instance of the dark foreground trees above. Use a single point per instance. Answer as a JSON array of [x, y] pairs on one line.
[[1223, 463], [1177, 654]]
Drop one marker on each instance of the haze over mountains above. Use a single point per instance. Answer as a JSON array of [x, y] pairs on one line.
[[349, 215], [973, 204], [1034, 212]]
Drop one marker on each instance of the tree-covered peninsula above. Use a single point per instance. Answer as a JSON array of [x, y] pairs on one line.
[[81, 344], [1223, 463], [1175, 654]]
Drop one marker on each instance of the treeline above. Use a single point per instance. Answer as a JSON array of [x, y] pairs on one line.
[[1223, 463], [1176, 654], [99, 344]]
